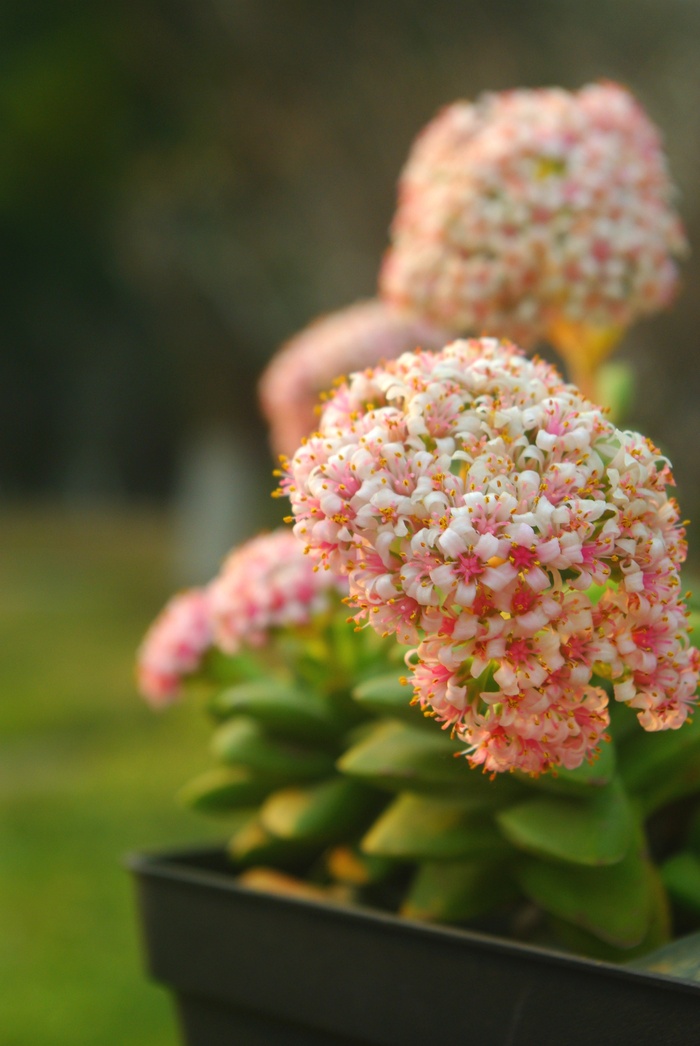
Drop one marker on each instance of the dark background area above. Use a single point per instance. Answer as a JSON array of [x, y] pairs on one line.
[[186, 183]]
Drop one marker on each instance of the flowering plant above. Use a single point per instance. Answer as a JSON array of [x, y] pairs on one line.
[[537, 214], [471, 505], [503, 724]]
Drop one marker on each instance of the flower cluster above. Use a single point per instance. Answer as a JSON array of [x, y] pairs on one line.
[[489, 513], [531, 212], [307, 365], [265, 584], [174, 646]]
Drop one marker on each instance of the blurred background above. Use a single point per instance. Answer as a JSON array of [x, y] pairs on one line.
[[184, 185]]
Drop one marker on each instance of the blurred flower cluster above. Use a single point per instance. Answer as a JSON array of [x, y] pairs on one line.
[[263, 586], [537, 214], [308, 364], [510, 559]]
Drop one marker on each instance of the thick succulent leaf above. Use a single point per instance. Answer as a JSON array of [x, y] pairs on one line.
[[679, 959], [580, 781], [223, 789], [661, 766], [252, 844], [281, 707], [418, 827], [596, 830], [244, 741], [452, 891], [681, 876], [225, 668], [398, 757], [270, 880], [614, 903], [386, 695], [360, 652], [347, 864], [692, 838], [327, 812], [623, 720], [578, 940]]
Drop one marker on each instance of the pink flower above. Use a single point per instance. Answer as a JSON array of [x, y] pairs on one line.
[[306, 366], [173, 646], [473, 499], [531, 213], [266, 584]]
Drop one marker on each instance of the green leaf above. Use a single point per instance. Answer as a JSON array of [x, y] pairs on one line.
[[661, 766], [252, 844], [681, 876], [614, 388], [223, 789], [623, 721], [579, 941], [679, 959], [324, 813], [452, 891], [225, 668], [245, 742], [281, 707], [398, 757], [614, 903], [580, 781], [692, 839], [415, 827], [592, 831], [386, 695], [347, 864], [359, 652]]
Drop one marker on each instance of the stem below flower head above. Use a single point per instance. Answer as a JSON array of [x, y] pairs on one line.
[[583, 349]]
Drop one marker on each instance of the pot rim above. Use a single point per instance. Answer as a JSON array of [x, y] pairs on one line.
[[188, 864]]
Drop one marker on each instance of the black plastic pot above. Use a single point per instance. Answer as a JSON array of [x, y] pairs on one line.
[[250, 968]]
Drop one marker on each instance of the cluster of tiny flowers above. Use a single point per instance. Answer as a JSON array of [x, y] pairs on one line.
[[307, 365], [480, 507], [533, 209], [174, 646], [267, 584]]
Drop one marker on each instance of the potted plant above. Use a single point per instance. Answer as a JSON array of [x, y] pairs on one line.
[[500, 736]]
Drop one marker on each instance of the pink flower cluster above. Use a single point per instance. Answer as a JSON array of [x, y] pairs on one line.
[[265, 584], [332, 346], [478, 505], [174, 646], [533, 208]]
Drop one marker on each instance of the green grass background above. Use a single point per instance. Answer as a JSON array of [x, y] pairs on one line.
[[87, 774]]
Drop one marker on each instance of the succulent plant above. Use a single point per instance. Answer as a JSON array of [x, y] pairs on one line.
[[467, 744], [328, 780]]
